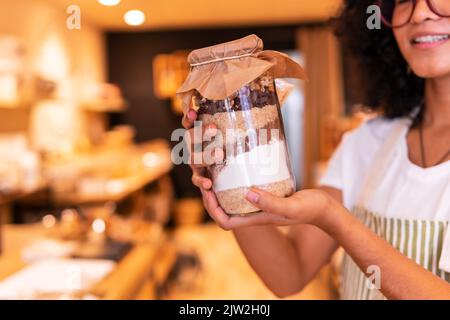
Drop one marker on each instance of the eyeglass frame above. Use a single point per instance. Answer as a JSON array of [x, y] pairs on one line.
[[414, 2]]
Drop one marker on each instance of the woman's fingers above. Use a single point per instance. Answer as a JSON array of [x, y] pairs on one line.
[[305, 206], [201, 154], [227, 222], [200, 181], [214, 209], [216, 212], [189, 118], [257, 219], [206, 158], [270, 203]]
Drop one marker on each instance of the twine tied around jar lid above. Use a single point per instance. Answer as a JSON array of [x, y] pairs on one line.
[[219, 71], [221, 59]]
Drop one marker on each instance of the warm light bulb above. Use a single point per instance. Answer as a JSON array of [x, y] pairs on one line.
[[98, 226], [49, 221], [109, 3], [150, 159], [134, 17]]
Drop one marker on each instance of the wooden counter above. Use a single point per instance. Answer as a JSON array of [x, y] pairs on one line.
[[136, 276]]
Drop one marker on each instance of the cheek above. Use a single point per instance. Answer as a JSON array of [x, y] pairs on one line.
[[403, 43], [424, 63]]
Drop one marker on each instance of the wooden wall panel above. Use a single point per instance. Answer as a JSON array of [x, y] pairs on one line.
[[324, 99]]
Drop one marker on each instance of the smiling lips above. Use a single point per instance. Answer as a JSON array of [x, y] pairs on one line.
[[429, 40]]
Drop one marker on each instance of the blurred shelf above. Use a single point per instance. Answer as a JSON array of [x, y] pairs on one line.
[[107, 105], [19, 105], [155, 160]]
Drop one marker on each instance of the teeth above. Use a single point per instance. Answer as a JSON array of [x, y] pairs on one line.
[[430, 39]]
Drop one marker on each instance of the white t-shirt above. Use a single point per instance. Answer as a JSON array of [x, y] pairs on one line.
[[405, 191]]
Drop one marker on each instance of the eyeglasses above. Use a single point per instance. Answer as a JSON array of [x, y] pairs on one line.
[[397, 13]]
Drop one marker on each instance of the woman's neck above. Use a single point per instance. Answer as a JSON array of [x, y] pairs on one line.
[[437, 101]]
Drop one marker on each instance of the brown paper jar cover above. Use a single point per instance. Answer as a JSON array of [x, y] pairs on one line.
[[220, 70]]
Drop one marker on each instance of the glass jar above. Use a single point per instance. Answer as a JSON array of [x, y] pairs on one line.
[[250, 131]]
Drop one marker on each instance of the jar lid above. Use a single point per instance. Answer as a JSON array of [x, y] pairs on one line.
[[219, 71], [233, 50]]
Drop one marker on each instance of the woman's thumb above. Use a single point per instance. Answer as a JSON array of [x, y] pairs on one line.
[[267, 202]]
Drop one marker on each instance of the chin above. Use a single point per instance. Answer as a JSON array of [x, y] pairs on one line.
[[430, 70], [426, 74]]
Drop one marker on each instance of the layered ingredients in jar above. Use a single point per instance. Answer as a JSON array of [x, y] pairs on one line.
[[251, 133]]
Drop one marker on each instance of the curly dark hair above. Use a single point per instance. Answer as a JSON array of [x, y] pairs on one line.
[[387, 85]]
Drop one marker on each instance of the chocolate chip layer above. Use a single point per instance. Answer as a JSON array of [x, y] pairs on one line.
[[257, 94]]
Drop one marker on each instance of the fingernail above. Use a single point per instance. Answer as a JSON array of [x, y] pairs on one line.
[[192, 115], [218, 155], [252, 196], [212, 130], [210, 133]]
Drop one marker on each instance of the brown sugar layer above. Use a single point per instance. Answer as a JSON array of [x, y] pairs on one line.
[[233, 201], [252, 139], [243, 122]]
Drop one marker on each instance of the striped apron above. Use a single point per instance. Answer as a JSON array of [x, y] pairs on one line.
[[420, 240]]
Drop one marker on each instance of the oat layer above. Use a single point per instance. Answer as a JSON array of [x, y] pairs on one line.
[[234, 203]]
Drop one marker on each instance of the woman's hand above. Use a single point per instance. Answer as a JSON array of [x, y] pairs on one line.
[[199, 162], [304, 207], [210, 201], [199, 178]]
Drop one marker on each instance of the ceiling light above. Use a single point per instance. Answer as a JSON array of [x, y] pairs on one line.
[[99, 226], [134, 17], [150, 159], [109, 3]]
